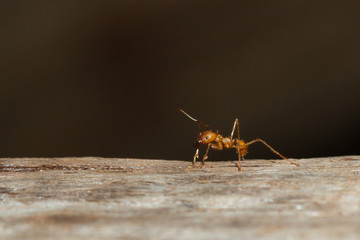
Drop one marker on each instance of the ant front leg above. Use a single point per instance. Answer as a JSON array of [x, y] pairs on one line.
[[205, 156], [195, 157], [212, 145]]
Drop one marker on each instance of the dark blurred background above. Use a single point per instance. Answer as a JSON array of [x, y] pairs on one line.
[[105, 78]]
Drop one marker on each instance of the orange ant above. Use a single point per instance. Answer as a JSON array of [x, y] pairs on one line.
[[218, 142]]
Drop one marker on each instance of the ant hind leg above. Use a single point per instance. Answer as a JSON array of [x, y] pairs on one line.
[[236, 124], [273, 150], [241, 158]]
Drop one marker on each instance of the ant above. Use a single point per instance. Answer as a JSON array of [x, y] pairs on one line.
[[218, 142]]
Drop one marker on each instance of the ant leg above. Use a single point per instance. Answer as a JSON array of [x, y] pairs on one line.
[[273, 150], [241, 158], [205, 156], [212, 145], [236, 124], [195, 157], [239, 155], [238, 129]]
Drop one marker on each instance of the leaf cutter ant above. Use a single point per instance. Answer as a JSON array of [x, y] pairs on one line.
[[218, 142]]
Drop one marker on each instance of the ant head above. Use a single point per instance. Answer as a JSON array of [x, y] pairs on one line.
[[205, 138]]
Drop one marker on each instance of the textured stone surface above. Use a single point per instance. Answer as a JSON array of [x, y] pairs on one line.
[[102, 198]]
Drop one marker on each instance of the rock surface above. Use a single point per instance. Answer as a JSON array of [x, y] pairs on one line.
[[103, 198]]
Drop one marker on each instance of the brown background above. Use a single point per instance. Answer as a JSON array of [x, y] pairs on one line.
[[105, 78]]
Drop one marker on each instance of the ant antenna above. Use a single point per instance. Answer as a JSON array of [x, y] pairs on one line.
[[195, 120]]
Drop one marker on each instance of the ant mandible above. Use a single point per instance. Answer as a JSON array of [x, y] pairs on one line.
[[218, 142]]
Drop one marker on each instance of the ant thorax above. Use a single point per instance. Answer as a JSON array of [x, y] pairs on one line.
[[227, 142]]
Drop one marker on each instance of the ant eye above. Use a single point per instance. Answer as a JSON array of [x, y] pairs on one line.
[[207, 137]]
